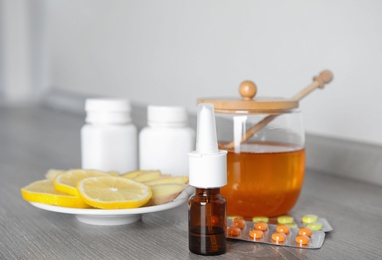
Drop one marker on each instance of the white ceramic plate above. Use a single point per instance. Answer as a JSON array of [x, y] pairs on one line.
[[113, 217]]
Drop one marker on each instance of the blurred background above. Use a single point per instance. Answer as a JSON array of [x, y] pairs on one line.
[[173, 52]]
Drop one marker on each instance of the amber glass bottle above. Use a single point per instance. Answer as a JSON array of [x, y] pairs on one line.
[[207, 222], [207, 173]]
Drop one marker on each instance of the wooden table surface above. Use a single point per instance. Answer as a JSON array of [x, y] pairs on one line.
[[35, 139]]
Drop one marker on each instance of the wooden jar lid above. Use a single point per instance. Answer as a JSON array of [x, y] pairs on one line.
[[249, 104]]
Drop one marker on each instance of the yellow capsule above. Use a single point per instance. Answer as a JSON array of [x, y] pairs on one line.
[[260, 218], [314, 226], [309, 219], [292, 225], [285, 220]]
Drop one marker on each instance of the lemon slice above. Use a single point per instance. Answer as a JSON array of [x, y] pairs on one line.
[[66, 182], [44, 192], [108, 192]]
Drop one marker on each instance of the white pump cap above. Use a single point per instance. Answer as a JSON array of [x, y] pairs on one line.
[[207, 165], [108, 111]]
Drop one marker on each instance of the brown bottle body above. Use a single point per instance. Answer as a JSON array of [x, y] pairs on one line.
[[207, 222]]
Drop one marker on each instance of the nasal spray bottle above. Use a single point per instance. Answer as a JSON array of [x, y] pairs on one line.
[[207, 173]]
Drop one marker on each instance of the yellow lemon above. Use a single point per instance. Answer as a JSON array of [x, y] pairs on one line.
[[108, 192], [66, 182], [44, 192]]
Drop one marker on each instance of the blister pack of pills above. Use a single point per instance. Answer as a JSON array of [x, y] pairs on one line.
[[280, 231]]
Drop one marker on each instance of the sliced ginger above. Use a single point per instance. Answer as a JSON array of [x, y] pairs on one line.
[[131, 175], [148, 176], [163, 193], [168, 180]]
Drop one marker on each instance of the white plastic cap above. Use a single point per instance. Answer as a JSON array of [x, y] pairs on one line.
[[166, 116], [112, 111], [207, 165]]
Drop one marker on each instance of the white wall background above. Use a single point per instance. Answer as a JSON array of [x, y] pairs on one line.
[[15, 63], [173, 52], [23, 65]]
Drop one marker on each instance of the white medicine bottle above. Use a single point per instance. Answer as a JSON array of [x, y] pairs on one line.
[[109, 139], [165, 142]]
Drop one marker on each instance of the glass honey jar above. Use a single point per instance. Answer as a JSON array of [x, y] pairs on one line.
[[265, 141]]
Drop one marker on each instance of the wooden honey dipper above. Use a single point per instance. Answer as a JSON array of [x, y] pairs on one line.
[[248, 91]]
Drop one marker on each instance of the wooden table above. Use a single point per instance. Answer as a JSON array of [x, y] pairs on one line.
[[35, 139]]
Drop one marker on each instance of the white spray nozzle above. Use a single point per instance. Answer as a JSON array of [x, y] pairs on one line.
[[208, 164], [206, 141]]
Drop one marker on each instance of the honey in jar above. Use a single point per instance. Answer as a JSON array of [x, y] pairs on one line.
[[264, 179]]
